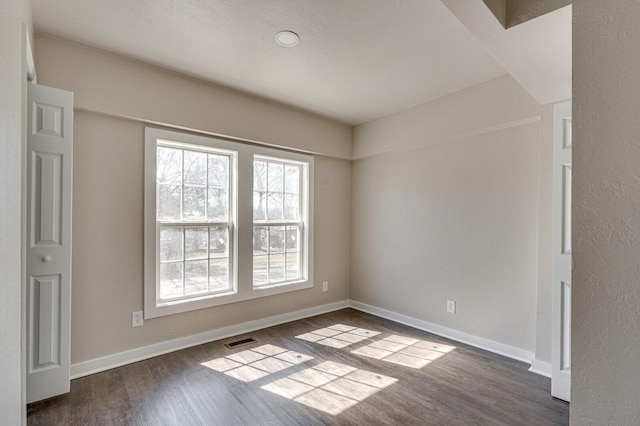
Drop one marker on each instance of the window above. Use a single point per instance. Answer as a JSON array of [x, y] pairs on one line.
[[224, 222], [277, 221], [193, 214]]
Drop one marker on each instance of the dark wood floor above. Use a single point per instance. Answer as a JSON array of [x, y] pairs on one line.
[[344, 367]]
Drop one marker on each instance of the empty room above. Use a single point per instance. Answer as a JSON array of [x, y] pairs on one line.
[[297, 212]]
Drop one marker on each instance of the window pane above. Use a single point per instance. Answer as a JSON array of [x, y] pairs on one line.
[[196, 242], [218, 204], [171, 244], [260, 240], [168, 202], [260, 270], [293, 266], [259, 205], [259, 176], [169, 165], [293, 238], [194, 203], [195, 168], [276, 267], [219, 171], [292, 179], [291, 207], [219, 274], [274, 207], [195, 277], [276, 239], [219, 241], [170, 280], [275, 177]]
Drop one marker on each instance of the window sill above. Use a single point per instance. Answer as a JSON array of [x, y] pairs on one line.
[[176, 307]]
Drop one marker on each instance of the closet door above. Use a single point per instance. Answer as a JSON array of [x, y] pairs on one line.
[[561, 275], [48, 263]]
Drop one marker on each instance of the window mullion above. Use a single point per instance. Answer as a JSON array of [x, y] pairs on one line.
[[184, 260], [209, 253], [206, 192], [182, 186], [244, 214]]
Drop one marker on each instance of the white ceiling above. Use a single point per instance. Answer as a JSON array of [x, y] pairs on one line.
[[357, 60]]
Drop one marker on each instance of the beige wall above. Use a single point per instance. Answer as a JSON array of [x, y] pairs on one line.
[[606, 213], [452, 220], [13, 15], [114, 85], [486, 107], [108, 207]]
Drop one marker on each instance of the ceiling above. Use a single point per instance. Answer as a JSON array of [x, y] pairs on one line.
[[537, 53], [357, 60]]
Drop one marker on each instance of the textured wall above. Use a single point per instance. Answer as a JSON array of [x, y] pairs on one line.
[[499, 9], [453, 220], [519, 11], [606, 213], [108, 208], [12, 88]]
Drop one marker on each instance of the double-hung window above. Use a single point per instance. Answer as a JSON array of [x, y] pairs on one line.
[[224, 222], [194, 220], [278, 224]]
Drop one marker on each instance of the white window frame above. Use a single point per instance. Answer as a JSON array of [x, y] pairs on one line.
[[301, 222], [241, 242]]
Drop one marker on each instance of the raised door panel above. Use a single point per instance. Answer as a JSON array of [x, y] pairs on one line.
[[561, 254], [48, 256]]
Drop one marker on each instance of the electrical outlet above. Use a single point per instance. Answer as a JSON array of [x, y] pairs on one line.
[[137, 319], [325, 286], [451, 306]]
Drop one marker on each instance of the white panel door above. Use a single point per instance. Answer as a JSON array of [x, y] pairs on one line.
[[561, 275], [48, 273]]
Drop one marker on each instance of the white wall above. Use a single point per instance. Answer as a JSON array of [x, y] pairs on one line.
[[108, 192], [13, 14], [606, 213], [445, 206]]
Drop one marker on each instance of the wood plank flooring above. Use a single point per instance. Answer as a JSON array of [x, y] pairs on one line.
[[341, 368]]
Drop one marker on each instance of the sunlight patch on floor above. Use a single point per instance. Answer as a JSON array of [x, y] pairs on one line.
[[338, 335], [330, 386], [255, 363], [396, 349], [405, 351]]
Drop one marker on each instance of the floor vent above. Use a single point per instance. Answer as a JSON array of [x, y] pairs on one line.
[[238, 343]]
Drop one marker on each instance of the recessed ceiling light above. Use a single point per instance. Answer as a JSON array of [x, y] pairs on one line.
[[287, 38]]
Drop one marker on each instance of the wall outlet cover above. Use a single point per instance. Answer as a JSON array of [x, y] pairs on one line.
[[137, 319], [451, 306]]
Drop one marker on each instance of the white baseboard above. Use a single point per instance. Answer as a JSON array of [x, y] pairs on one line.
[[449, 333], [108, 362], [542, 368]]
